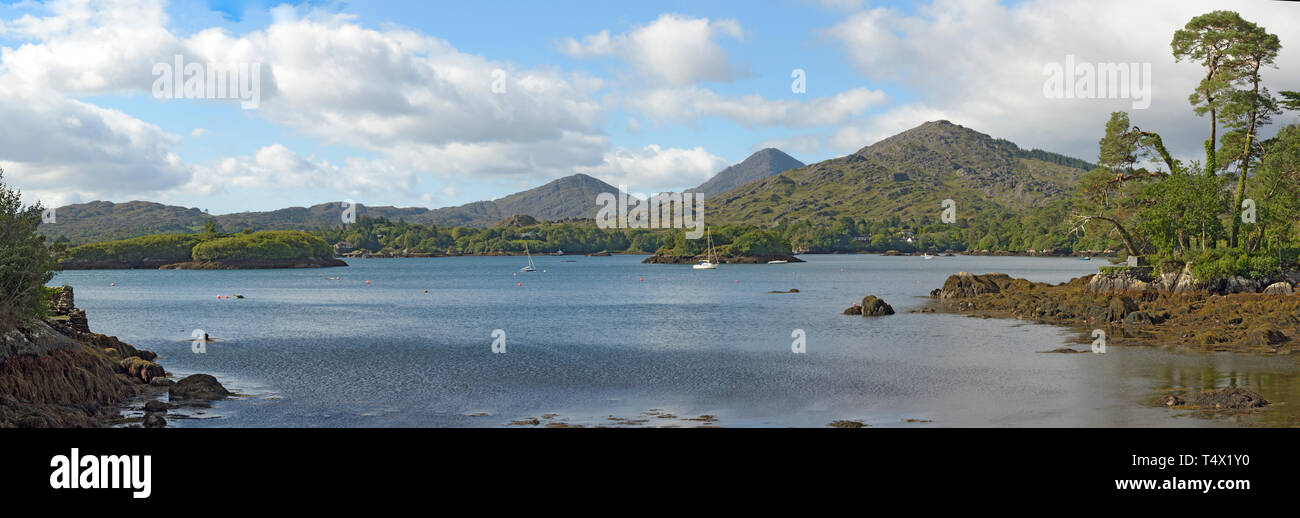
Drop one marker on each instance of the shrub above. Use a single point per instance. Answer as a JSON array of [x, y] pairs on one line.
[[26, 263]]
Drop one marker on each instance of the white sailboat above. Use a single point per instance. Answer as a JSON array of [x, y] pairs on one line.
[[927, 256], [530, 267], [708, 263]]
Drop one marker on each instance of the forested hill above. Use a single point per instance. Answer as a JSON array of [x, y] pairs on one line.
[[908, 175]]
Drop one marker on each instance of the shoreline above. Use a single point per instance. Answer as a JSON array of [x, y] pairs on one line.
[[1195, 320]]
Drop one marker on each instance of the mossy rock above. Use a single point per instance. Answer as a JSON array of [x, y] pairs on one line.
[[142, 369]]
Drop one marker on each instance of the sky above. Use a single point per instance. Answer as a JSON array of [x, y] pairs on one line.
[[432, 103]]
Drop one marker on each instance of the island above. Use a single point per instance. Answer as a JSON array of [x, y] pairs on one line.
[[205, 251]]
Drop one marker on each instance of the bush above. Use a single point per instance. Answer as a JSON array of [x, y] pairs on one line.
[[26, 263], [1228, 262]]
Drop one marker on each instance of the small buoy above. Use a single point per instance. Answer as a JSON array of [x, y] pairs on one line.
[[112, 284], [367, 282], [643, 279], [426, 291], [516, 275], [519, 284], [218, 297]]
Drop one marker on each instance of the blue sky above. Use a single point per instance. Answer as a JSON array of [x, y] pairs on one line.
[[655, 95]]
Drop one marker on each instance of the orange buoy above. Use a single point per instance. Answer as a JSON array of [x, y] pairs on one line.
[[367, 282], [426, 291], [519, 284]]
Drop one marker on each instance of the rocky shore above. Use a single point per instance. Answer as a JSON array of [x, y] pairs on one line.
[[1134, 307], [57, 373]]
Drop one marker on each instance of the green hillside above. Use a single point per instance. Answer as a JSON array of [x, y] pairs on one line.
[[907, 175]]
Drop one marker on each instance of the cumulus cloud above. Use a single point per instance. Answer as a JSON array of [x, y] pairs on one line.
[[60, 149], [980, 63], [654, 169], [675, 50]]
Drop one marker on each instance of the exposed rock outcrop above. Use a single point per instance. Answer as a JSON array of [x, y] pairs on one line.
[[197, 387]]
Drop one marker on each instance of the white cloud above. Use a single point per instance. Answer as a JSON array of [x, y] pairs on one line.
[[654, 169], [675, 50], [753, 110], [980, 63], [55, 148]]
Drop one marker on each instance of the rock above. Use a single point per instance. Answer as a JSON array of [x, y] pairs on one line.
[[1063, 350], [527, 421], [1119, 308], [854, 310], [1172, 401], [1127, 279], [965, 284], [1279, 288], [142, 369], [1230, 398], [155, 406], [161, 382], [845, 423], [203, 387], [153, 420], [1269, 336], [874, 307]]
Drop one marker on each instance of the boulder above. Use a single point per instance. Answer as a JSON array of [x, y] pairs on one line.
[[142, 369], [155, 406], [1279, 288], [854, 310], [204, 387], [874, 307], [1230, 398], [966, 284], [1119, 308], [153, 420]]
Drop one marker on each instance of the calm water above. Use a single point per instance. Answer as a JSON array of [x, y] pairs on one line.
[[605, 336]]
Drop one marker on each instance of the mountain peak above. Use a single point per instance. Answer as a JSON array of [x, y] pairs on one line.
[[763, 163]]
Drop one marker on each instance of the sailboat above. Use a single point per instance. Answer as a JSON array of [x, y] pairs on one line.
[[927, 256], [708, 263], [530, 267]]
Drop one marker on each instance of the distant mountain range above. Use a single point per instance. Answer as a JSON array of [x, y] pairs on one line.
[[906, 174]]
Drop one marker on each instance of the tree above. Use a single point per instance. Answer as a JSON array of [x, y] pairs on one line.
[[1249, 108], [1112, 192], [1207, 39], [26, 263]]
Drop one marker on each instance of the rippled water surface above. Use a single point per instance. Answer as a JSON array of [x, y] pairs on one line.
[[591, 337]]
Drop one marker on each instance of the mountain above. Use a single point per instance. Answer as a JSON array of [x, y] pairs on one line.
[[762, 164], [909, 175], [569, 197]]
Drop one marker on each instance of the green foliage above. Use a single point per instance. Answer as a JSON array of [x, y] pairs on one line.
[[1226, 262], [26, 263], [276, 245], [171, 248], [759, 243]]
